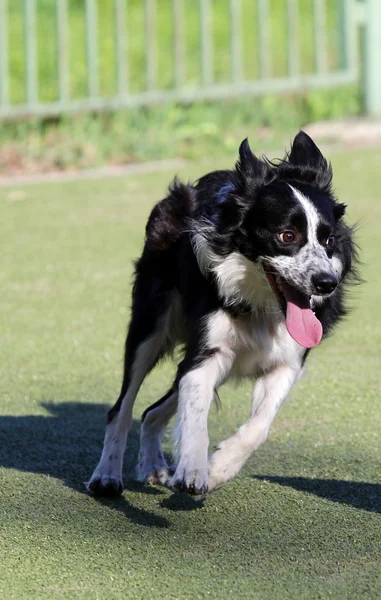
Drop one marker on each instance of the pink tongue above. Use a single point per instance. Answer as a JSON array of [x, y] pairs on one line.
[[301, 323]]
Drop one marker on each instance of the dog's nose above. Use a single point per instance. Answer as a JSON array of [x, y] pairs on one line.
[[324, 283]]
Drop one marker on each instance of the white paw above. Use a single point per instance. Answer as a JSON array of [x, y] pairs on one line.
[[105, 485], [153, 470], [156, 477], [193, 482], [226, 462]]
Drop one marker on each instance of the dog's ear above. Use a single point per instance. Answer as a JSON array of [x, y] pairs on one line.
[[228, 216], [227, 212], [249, 166], [305, 153], [339, 211]]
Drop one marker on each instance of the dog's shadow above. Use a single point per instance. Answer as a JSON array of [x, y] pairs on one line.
[[359, 494], [66, 444]]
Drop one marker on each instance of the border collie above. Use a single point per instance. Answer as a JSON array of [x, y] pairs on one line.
[[247, 269]]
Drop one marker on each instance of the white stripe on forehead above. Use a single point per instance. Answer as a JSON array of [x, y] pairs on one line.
[[311, 213]]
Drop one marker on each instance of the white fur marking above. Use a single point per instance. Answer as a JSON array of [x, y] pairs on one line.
[[109, 468], [312, 257], [312, 216], [269, 393], [238, 278], [196, 391], [152, 466], [249, 345], [337, 266]]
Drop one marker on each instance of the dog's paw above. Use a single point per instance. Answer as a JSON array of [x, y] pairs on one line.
[[193, 482], [155, 476], [217, 469], [105, 485], [226, 462], [153, 470]]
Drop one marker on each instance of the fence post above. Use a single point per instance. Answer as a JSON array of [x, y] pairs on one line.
[[372, 57]]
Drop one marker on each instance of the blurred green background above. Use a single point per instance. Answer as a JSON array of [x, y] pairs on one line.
[[135, 36], [157, 131]]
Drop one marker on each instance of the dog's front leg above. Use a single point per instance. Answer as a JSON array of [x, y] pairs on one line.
[[196, 390], [269, 392]]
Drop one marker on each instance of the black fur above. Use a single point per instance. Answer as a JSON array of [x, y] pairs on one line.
[[237, 221], [241, 213]]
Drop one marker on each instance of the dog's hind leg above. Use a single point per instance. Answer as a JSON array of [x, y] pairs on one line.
[[147, 341], [107, 477], [269, 392], [152, 467]]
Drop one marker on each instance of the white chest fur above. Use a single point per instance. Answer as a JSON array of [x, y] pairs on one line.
[[259, 342]]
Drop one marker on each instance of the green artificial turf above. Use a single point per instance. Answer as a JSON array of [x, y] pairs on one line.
[[303, 520]]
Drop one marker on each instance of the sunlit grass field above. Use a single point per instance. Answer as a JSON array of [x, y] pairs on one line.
[[303, 520]]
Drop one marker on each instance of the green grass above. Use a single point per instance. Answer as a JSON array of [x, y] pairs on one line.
[[303, 520]]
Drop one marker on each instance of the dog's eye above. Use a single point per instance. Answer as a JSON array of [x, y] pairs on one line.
[[330, 241], [287, 237]]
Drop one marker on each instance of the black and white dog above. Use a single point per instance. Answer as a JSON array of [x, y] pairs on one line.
[[247, 269]]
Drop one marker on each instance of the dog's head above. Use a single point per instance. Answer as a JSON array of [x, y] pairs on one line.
[[284, 221]]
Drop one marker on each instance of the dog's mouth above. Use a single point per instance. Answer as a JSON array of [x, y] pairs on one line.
[[301, 322]]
